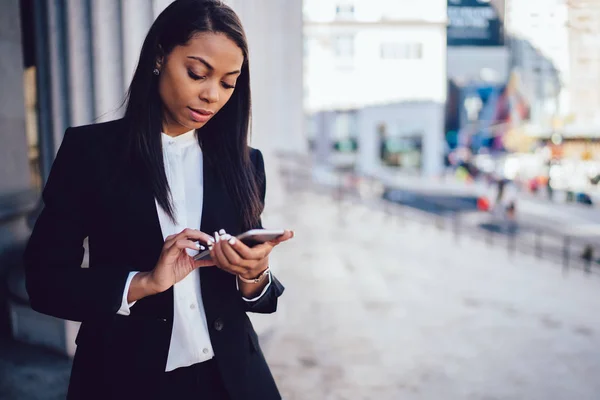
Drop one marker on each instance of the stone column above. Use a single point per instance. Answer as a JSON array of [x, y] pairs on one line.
[[294, 139], [16, 195], [58, 74], [13, 151], [137, 16], [107, 46], [79, 58]]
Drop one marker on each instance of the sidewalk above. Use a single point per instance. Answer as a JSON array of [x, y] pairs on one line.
[[375, 309], [380, 309], [32, 373]]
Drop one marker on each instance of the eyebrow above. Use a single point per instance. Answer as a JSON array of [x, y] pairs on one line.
[[210, 67]]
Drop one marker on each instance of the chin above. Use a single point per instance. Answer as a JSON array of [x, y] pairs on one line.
[[198, 125], [190, 124]]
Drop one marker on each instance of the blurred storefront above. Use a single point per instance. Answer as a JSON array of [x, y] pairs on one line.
[[477, 107], [70, 64], [383, 64], [403, 136], [481, 115]]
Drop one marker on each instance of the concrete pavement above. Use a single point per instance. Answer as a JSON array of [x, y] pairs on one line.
[[379, 310]]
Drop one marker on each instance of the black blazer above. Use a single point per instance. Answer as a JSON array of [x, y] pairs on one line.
[[92, 193]]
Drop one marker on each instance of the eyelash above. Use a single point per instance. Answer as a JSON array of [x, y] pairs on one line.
[[197, 77]]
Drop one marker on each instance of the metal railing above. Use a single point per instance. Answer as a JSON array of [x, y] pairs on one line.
[[541, 242]]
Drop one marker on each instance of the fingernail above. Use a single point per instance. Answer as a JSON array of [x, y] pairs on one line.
[[216, 237], [225, 237], [222, 232], [232, 241], [198, 245], [211, 240], [210, 247], [202, 247]]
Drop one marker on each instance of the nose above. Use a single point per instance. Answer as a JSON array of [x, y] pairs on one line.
[[210, 93]]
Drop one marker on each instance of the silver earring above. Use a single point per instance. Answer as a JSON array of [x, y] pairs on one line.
[[156, 71]]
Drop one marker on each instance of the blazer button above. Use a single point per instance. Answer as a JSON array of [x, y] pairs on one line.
[[219, 324]]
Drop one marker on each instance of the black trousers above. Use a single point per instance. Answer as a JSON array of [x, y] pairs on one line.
[[199, 382]]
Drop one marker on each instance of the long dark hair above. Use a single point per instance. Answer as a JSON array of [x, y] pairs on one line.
[[224, 137]]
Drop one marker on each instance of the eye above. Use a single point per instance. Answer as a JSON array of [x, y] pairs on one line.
[[227, 86], [194, 76]]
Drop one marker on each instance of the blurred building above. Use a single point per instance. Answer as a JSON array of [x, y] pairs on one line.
[[70, 64], [584, 52], [374, 66], [476, 42], [555, 54], [539, 45], [529, 66], [554, 47]]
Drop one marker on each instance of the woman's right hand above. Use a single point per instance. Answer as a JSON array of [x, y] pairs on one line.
[[174, 263]]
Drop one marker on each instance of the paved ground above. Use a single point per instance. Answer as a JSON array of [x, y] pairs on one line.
[[31, 373], [379, 310], [376, 309]]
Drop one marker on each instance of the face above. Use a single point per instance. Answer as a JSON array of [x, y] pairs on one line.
[[196, 80]]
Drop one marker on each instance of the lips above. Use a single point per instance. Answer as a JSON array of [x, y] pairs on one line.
[[201, 111], [200, 114]]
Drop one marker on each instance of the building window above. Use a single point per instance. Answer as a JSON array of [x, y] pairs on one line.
[[344, 46], [401, 51], [344, 11], [404, 148]]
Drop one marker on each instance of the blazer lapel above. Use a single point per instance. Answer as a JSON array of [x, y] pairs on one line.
[[144, 207], [218, 212], [211, 192], [139, 218]]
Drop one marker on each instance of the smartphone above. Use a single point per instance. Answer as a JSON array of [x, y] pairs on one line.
[[250, 238]]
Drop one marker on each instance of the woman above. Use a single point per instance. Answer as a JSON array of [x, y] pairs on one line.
[[146, 190]]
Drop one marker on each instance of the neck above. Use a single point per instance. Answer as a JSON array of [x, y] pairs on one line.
[[172, 128]]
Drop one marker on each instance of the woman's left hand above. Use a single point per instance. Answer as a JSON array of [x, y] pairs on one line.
[[236, 258]]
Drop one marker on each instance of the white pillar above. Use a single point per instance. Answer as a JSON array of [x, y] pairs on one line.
[[106, 55], [278, 89], [137, 17], [80, 65], [13, 148], [368, 161], [256, 24], [293, 70], [433, 142], [58, 73]]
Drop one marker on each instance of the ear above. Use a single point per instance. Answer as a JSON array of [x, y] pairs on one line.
[[159, 58], [158, 63]]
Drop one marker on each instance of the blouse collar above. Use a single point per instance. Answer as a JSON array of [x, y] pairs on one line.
[[181, 140]]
